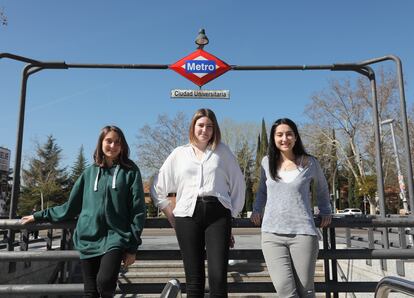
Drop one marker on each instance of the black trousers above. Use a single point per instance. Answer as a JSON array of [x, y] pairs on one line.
[[208, 230], [100, 274]]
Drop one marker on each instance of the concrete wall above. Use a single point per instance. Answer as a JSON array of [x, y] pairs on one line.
[[36, 273], [358, 270]]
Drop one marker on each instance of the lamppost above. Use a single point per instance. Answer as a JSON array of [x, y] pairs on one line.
[[201, 39], [402, 195]]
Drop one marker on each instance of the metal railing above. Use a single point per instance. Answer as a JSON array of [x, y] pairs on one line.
[[395, 284], [172, 289], [329, 253]]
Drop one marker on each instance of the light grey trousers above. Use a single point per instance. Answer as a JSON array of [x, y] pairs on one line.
[[291, 260]]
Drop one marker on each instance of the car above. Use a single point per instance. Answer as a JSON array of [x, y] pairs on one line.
[[350, 211]]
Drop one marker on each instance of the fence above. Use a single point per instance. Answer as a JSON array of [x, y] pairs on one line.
[[329, 253]]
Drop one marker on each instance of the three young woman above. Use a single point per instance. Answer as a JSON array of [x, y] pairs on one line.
[[289, 237], [210, 190], [108, 202]]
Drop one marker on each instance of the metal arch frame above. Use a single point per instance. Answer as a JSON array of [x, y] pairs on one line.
[[363, 68]]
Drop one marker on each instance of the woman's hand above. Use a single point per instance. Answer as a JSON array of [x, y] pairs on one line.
[[231, 241], [168, 211], [128, 259], [171, 219], [325, 220], [27, 219], [256, 218]]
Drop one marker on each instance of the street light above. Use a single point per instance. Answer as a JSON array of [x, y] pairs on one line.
[[397, 162], [201, 39]]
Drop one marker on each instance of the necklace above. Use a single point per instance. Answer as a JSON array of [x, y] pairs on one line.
[[287, 165]]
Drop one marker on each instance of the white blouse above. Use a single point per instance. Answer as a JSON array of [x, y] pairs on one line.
[[217, 174]]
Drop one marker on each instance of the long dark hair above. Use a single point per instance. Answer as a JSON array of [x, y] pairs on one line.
[[123, 158], [274, 153], [216, 137]]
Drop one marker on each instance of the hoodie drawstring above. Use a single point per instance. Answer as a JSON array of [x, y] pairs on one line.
[[114, 177], [95, 186]]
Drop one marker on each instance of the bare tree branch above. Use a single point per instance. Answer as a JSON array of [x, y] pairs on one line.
[[3, 17]]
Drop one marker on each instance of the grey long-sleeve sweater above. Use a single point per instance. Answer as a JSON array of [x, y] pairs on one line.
[[287, 206]]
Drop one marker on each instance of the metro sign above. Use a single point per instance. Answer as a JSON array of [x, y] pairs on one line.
[[200, 67]]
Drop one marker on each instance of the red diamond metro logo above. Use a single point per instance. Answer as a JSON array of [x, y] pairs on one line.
[[200, 67]]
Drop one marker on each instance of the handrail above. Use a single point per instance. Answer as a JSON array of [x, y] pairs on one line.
[[392, 283], [348, 221], [329, 253], [172, 289], [235, 254]]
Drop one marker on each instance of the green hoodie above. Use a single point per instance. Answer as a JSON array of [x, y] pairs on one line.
[[109, 205]]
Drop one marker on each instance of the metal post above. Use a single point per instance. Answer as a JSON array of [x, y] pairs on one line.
[[326, 261], [334, 262], [19, 143], [403, 115], [365, 204], [401, 183], [405, 129], [334, 192], [378, 161]]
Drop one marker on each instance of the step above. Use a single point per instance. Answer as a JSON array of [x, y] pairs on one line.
[[235, 265], [234, 295], [162, 271]]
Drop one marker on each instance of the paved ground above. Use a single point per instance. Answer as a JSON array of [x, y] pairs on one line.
[[165, 238]]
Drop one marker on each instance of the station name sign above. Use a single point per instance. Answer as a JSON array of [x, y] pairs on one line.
[[185, 93]]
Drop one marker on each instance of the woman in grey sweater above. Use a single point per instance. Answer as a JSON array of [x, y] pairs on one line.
[[289, 237]]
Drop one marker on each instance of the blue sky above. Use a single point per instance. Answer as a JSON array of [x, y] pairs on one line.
[[74, 104]]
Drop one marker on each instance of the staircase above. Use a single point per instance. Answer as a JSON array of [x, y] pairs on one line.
[[239, 272]]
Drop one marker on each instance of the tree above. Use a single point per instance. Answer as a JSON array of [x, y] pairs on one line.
[[411, 130], [157, 142], [3, 17], [152, 210], [78, 167], [261, 151], [346, 107], [45, 182], [5, 192], [317, 145], [264, 143], [240, 137], [245, 160], [258, 160], [238, 134]]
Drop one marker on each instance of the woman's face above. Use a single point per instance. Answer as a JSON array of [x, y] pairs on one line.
[[111, 146], [284, 138], [203, 130]]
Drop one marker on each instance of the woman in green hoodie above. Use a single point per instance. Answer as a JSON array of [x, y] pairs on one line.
[[108, 202]]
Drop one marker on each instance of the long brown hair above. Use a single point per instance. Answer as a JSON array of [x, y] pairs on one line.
[[123, 158], [274, 153], [216, 137]]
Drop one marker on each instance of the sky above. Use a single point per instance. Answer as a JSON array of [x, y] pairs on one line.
[[74, 104]]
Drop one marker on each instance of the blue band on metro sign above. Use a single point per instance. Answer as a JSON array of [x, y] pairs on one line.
[[200, 67]]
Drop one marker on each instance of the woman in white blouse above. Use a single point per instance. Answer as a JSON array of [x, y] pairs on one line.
[[210, 190]]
